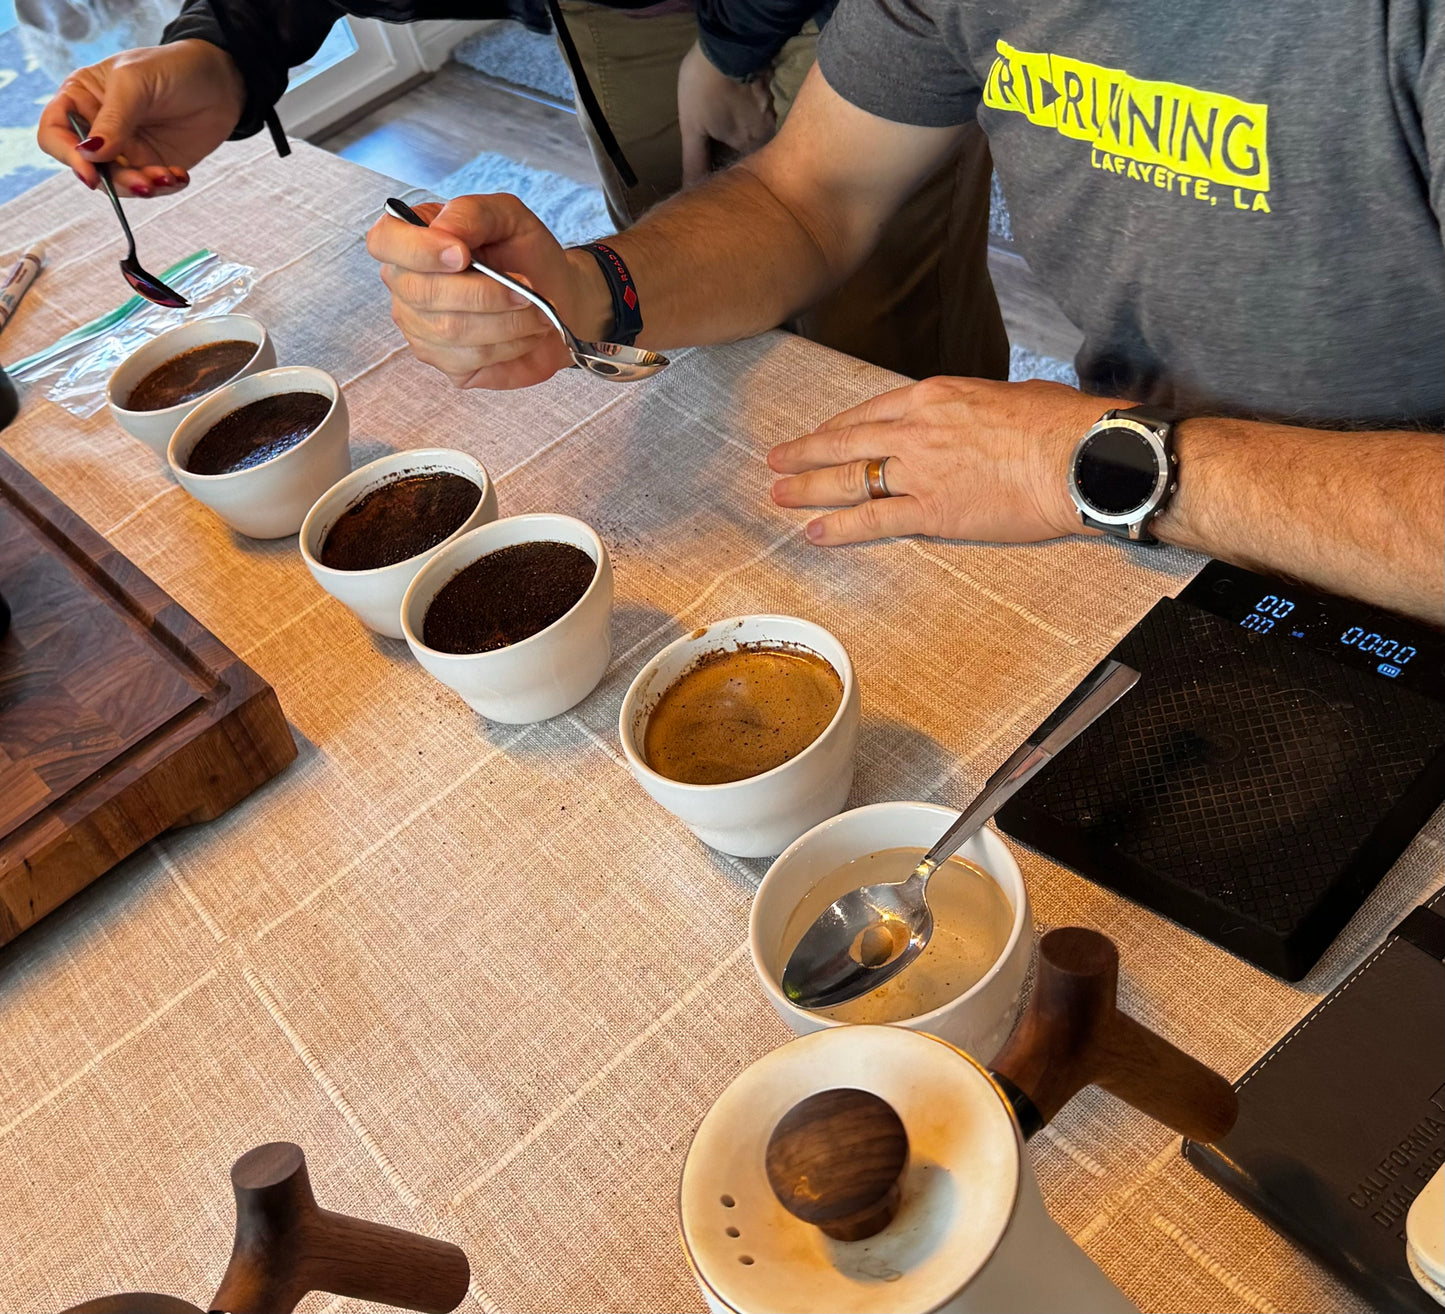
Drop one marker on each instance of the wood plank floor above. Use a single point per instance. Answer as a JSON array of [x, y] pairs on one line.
[[426, 133]]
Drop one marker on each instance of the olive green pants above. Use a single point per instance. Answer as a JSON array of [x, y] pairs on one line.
[[922, 304]]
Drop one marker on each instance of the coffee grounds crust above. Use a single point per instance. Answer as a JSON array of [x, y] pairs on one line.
[[507, 596], [190, 374], [257, 432], [401, 518]]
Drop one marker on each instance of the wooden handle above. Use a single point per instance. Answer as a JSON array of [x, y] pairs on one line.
[[836, 1160], [1072, 1035], [287, 1245]]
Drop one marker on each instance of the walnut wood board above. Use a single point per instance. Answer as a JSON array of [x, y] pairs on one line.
[[120, 715]]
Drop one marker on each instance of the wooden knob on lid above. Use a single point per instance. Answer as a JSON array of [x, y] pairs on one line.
[[836, 1160]]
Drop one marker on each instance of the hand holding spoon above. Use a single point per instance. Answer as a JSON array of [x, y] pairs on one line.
[[608, 360], [147, 284], [869, 936]]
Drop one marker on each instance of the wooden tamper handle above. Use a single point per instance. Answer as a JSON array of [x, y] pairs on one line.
[[287, 1245], [836, 1160], [1073, 1035]]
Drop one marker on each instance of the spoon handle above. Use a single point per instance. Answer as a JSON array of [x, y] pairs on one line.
[[82, 130], [1100, 691], [398, 209]]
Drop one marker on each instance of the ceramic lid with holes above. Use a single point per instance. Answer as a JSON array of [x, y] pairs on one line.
[[1425, 1237], [958, 1191]]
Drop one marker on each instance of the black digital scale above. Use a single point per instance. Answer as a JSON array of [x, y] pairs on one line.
[[1278, 754]]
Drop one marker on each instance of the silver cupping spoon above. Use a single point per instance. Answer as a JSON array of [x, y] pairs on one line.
[[870, 935], [147, 284], [608, 360]]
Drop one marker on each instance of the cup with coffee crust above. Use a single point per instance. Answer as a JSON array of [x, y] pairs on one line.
[[261, 450], [515, 616], [746, 730], [367, 537], [161, 383]]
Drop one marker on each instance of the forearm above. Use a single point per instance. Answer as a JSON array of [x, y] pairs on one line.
[[265, 39], [721, 262], [1361, 514], [773, 234]]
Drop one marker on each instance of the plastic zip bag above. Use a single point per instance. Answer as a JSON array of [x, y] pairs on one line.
[[75, 370]]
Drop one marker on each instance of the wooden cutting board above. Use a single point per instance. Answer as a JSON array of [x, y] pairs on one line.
[[120, 716]]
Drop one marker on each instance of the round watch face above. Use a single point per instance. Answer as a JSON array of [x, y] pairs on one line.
[[1116, 471]]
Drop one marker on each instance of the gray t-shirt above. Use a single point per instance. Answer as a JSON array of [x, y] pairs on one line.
[[1240, 205]]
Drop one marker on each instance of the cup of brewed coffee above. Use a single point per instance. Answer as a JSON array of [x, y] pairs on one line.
[[746, 730]]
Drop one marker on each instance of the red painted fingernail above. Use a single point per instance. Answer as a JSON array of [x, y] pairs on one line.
[[138, 190], [165, 180], [92, 144]]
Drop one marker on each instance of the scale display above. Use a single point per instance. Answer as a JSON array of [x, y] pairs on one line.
[[1281, 750], [1349, 632]]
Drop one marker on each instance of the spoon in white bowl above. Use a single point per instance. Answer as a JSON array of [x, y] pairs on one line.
[[608, 360], [870, 935]]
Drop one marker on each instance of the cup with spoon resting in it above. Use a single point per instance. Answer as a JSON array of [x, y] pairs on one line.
[[853, 924]]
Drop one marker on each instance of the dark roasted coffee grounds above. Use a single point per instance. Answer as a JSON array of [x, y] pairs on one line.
[[257, 433], [507, 596], [399, 520], [190, 374]]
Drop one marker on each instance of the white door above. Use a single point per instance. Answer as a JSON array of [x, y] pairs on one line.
[[361, 61]]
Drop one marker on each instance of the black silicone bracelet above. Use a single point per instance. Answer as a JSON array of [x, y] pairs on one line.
[[626, 309]]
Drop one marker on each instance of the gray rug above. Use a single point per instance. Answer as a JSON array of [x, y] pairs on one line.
[[573, 211], [509, 52]]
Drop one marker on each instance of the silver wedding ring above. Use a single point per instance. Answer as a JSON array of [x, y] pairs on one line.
[[873, 478]]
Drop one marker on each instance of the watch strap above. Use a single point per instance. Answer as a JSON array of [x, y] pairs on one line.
[[1137, 533], [1145, 414]]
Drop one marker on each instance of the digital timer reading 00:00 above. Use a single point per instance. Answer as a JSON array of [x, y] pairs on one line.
[[1266, 611], [1387, 650]]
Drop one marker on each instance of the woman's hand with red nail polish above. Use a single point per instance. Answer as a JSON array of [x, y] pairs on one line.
[[151, 112]]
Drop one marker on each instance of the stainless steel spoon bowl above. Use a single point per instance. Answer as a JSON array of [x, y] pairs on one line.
[[147, 284], [608, 360], [867, 937]]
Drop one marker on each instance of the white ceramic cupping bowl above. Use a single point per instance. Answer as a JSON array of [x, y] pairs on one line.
[[541, 676], [762, 815], [268, 500], [980, 1019], [375, 595], [154, 428]]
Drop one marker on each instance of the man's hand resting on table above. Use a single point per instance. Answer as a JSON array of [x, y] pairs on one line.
[[989, 462], [967, 458], [153, 113], [471, 328]]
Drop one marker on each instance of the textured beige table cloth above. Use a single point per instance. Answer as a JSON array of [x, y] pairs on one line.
[[367, 956]]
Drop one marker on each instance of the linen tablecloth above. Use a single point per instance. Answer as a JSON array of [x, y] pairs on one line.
[[472, 969]]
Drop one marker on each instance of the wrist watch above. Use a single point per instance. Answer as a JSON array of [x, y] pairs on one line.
[[1124, 471]]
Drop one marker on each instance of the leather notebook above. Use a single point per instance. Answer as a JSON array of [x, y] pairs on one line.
[[1342, 1123]]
